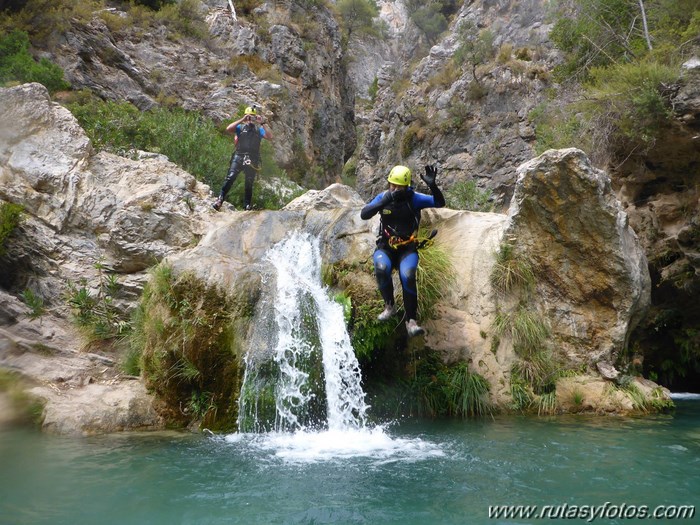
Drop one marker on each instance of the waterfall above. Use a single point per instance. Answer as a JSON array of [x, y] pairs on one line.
[[301, 370]]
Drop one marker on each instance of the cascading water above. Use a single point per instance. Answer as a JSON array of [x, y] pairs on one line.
[[301, 360]]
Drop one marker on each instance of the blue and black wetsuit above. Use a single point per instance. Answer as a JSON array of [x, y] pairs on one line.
[[400, 218], [246, 158]]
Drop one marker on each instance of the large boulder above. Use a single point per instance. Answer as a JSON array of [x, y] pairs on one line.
[[84, 212], [593, 283]]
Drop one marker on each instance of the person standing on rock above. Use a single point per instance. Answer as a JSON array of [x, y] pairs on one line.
[[250, 130], [397, 245]]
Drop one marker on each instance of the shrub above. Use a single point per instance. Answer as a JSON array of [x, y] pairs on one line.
[[433, 390], [97, 313], [373, 90], [430, 20], [466, 195], [10, 217], [185, 17], [629, 100], [34, 302], [357, 16], [434, 277], [476, 47], [526, 328], [185, 332], [412, 136], [17, 64], [559, 127], [187, 138], [512, 272]]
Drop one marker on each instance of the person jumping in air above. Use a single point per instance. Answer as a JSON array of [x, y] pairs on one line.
[[249, 130], [397, 246]]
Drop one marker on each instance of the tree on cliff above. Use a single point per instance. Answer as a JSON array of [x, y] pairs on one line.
[[357, 15]]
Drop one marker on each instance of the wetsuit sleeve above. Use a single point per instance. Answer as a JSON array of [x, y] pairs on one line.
[[438, 197], [376, 204], [436, 200]]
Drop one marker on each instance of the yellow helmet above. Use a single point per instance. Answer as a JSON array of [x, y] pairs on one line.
[[251, 111], [400, 175]]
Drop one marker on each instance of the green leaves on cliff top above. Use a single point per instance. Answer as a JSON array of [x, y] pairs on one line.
[[187, 138], [612, 32], [622, 58], [17, 64]]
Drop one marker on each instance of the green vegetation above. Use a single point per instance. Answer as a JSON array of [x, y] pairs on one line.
[[47, 20], [476, 47], [657, 402], [512, 271], [624, 59], [557, 127], [357, 16], [527, 329], [187, 138], [97, 313], [412, 136], [466, 195], [366, 332], [433, 389], [434, 277], [10, 217], [35, 303], [534, 375], [184, 331], [373, 90], [30, 409], [431, 17], [17, 64]]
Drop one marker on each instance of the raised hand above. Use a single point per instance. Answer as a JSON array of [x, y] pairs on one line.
[[430, 174]]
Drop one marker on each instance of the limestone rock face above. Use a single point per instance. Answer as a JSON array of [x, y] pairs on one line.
[[477, 129], [133, 212], [81, 209], [128, 214], [593, 281], [310, 102], [42, 149]]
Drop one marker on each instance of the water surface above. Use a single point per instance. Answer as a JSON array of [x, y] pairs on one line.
[[413, 472]]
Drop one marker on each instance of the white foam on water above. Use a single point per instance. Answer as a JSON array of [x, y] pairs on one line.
[[297, 264], [328, 445], [684, 395]]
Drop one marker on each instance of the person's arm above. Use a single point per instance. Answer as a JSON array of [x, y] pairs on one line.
[[375, 205], [429, 179], [266, 132], [231, 128]]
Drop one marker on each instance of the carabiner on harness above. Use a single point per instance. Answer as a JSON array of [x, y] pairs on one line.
[[396, 241]]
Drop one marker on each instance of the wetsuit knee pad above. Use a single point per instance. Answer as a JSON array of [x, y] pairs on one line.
[[407, 270], [382, 263]]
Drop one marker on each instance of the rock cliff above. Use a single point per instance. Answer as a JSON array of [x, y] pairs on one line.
[[290, 63], [87, 213]]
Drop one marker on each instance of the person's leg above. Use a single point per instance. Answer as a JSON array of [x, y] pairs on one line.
[[382, 271], [249, 180], [233, 171], [407, 271]]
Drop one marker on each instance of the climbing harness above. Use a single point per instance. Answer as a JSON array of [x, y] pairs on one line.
[[248, 162], [396, 241]]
